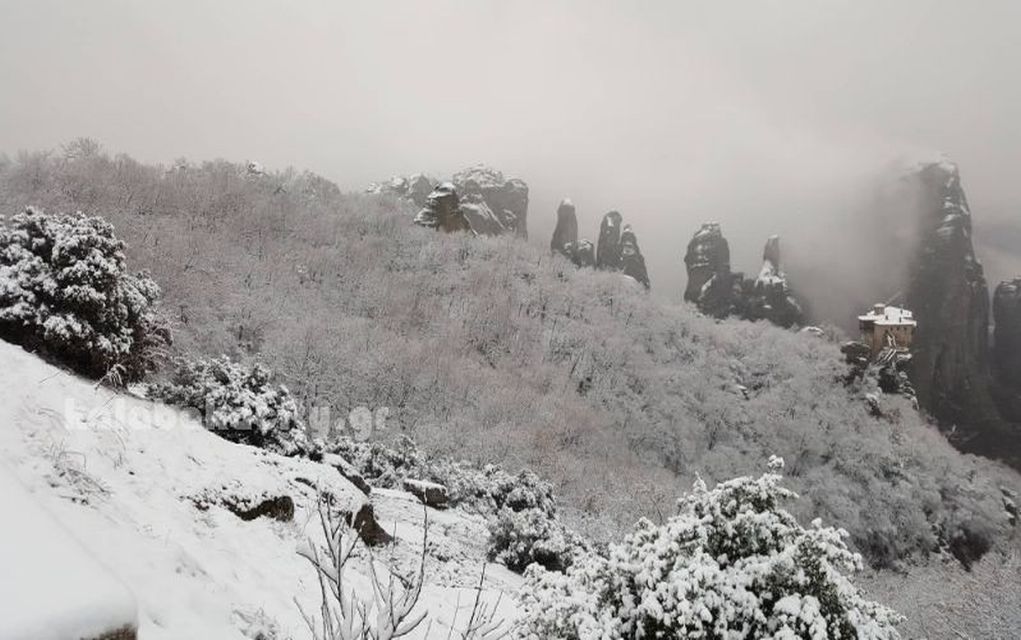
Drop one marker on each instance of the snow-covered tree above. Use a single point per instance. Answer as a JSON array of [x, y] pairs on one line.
[[731, 564], [237, 401], [64, 289]]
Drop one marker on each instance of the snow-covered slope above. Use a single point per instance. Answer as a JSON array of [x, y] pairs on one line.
[[145, 490], [52, 588]]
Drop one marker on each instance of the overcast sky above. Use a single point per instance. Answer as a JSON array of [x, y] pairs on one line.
[[764, 115]]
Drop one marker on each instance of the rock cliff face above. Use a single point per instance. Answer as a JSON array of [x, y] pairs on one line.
[[1007, 333], [608, 246], [769, 296], [492, 204], [632, 261], [443, 211], [415, 188], [1006, 353], [507, 199], [947, 292], [710, 282], [566, 232], [718, 292], [482, 219]]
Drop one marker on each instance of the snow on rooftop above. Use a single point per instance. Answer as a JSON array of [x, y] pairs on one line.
[[887, 315]]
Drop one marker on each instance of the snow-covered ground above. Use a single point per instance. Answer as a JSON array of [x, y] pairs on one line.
[[143, 489]]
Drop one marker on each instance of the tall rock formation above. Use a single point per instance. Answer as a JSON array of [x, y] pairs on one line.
[[608, 246], [1006, 354], [1007, 333], [566, 232], [710, 282], [719, 292], [632, 261], [947, 292], [492, 204], [769, 297], [507, 199], [442, 211]]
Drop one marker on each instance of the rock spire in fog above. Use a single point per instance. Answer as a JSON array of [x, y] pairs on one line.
[[1007, 334], [710, 282], [565, 235], [632, 261], [608, 245], [719, 292], [946, 290]]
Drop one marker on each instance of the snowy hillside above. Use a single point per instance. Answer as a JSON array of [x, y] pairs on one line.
[[171, 510]]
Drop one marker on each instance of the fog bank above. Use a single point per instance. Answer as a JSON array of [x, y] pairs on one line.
[[769, 117]]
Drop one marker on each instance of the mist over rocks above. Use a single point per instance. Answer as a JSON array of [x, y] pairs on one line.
[[492, 204], [946, 290], [720, 293], [769, 296]]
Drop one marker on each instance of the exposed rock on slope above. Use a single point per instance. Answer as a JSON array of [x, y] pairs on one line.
[[947, 292]]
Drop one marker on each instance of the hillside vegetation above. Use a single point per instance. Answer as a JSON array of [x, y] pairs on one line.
[[493, 350]]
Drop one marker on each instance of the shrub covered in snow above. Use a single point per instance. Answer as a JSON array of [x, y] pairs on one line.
[[731, 564], [530, 536], [65, 290], [524, 525], [237, 401]]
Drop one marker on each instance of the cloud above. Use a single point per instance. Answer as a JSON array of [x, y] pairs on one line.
[[769, 117]]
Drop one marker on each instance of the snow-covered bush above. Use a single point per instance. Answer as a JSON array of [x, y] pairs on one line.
[[65, 290], [521, 538], [483, 489], [523, 522], [237, 401], [731, 564]]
